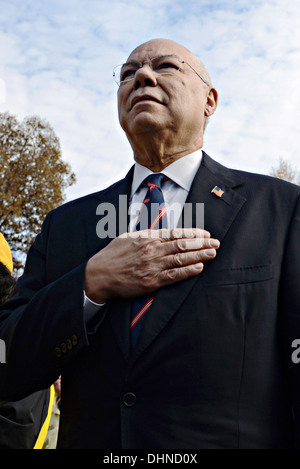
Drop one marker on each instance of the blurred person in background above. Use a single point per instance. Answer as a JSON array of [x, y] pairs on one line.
[[23, 423]]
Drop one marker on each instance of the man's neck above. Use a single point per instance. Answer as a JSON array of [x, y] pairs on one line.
[[158, 147], [156, 160]]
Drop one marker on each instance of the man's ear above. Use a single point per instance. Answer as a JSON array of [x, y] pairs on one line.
[[211, 102]]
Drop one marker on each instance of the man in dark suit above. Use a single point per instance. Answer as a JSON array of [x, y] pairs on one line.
[[212, 366]]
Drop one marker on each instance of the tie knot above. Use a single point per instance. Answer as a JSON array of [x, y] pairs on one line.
[[155, 179]]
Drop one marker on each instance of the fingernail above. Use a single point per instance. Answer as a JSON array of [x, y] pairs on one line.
[[198, 266], [210, 252], [214, 243]]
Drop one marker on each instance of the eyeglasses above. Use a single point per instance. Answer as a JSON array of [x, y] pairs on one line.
[[163, 65]]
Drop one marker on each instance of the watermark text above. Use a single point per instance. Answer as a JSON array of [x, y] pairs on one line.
[[113, 220], [2, 351]]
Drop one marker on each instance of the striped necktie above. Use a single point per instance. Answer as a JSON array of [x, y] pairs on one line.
[[152, 216]]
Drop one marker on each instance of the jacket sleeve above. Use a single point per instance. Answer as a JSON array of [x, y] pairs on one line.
[[42, 325]]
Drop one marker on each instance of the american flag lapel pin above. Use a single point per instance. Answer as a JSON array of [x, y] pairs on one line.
[[217, 191]]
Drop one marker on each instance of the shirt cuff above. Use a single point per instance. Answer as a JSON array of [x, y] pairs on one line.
[[90, 308]]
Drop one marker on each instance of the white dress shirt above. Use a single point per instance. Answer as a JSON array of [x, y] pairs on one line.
[[175, 190], [180, 176]]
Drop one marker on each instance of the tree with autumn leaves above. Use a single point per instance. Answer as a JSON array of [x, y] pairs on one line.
[[286, 171], [33, 178]]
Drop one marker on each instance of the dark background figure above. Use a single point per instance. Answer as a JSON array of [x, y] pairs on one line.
[[23, 423]]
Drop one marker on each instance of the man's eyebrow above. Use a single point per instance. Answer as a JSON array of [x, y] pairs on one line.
[[136, 62], [168, 55]]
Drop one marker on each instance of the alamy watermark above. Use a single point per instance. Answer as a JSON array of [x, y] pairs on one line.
[[2, 351], [296, 353], [192, 215]]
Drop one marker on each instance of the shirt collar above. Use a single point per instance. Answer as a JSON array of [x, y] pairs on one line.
[[181, 171]]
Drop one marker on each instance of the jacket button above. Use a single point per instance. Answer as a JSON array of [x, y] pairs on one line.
[[129, 399], [63, 347], [74, 339], [58, 352], [69, 344]]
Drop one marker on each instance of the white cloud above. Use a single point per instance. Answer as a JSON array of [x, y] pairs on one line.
[[57, 58]]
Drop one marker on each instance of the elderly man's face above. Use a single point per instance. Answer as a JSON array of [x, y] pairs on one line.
[[151, 102]]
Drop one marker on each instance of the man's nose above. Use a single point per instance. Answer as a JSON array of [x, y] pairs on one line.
[[144, 76]]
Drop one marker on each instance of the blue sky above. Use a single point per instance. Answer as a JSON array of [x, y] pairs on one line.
[[57, 56]]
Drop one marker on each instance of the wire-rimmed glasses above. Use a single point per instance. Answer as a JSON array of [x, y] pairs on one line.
[[162, 65]]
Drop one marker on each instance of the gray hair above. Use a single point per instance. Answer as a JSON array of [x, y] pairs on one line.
[[203, 70], [205, 77]]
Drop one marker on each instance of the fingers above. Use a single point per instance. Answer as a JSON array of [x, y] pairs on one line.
[[177, 259], [183, 233], [183, 259], [168, 234], [193, 244], [141, 262], [178, 274], [175, 248], [184, 256], [183, 239], [182, 245]]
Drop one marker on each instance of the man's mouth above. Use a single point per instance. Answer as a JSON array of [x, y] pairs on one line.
[[142, 98]]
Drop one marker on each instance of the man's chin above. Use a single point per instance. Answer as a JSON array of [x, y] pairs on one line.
[[144, 121]]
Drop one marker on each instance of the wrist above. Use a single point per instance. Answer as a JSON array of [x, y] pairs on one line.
[[93, 285]]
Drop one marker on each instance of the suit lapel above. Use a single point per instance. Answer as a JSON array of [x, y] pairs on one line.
[[219, 213], [107, 215], [116, 200]]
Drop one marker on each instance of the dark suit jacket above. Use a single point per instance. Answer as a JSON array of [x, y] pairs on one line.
[[212, 367], [21, 421]]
